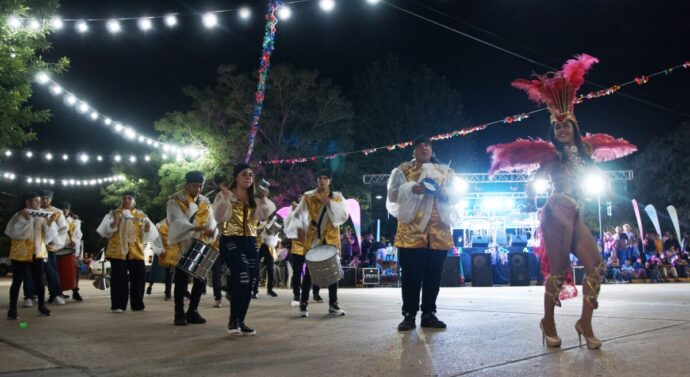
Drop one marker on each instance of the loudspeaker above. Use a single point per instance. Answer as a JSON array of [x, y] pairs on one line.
[[349, 278], [519, 268], [378, 201], [450, 277], [480, 241], [482, 276], [518, 240]]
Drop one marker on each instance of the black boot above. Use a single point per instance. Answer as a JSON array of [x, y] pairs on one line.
[[195, 318], [429, 320], [180, 319], [45, 311], [12, 314], [76, 296], [407, 323]]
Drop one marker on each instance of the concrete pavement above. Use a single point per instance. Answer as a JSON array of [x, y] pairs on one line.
[[491, 332]]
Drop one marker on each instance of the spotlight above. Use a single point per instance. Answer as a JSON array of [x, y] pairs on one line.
[[540, 185], [594, 183]]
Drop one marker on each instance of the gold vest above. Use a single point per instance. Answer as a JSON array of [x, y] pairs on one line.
[[172, 253], [56, 216], [23, 250], [136, 249], [241, 223], [436, 236], [331, 233]]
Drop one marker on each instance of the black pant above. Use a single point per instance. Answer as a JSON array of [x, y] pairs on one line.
[[216, 279], [29, 291], [297, 263], [267, 260], [19, 271], [242, 258], [127, 278], [52, 275], [181, 281], [421, 270]]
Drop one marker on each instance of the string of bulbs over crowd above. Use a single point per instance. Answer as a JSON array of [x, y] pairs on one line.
[[209, 20]]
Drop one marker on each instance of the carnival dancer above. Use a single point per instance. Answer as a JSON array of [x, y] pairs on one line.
[[29, 232], [238, 209], [127, 230], [316, 221], [190, 217], [566, 159], [422, 195]]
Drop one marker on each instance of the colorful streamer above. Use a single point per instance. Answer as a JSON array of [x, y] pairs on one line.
[[264, 65]]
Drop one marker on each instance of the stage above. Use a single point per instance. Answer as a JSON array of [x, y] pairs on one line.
[[492, 331]]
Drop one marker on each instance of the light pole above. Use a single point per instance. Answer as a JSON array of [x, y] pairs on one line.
[[595, 184]]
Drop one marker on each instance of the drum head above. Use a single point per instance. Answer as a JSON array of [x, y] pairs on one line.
[[321, 253]]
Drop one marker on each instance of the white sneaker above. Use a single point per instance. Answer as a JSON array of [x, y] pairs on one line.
[[218, 304], [294, 303], [335, 310], [28, 303], [117, 311], [59, 300], [303, 312]]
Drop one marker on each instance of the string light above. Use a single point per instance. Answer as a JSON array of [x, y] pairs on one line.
[[210, 20], [171, 20], [84, 182], [327, 5], [56, 23], [284, 12], [49, 156], [145, 24], [81, 157], [245, 13], [29, 154], [8, 153], [65, 157], [82, 27], [14, 22], [113, 26], [127, 132]]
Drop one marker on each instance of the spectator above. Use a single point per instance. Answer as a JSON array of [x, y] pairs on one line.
[[654, 269], [682, 265], [621, 242], [670, 241], [628, 271], [685, 243], [668, 271], [368, 251], [614, 268], [639, 266]]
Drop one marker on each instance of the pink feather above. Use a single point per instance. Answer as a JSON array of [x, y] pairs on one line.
[[606, 147], [522, 154], [574, 70]]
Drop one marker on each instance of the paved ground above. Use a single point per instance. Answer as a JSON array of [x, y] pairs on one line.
[[492, 332]]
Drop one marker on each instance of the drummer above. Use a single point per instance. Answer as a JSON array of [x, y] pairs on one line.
[[238, 209], [316, 221], [190, 217], [72, 250]]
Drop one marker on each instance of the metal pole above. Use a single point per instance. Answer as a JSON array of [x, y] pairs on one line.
[[378, 230], [601, 234]]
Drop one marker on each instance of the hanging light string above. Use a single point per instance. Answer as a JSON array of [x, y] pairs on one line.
[[83, 157], [641, 80], [65, 181], [127, 132]]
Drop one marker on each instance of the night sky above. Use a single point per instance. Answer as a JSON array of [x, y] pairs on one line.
[[137, 77]]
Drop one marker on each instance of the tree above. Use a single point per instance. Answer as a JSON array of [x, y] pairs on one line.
[[661, 173], [20, 60], [302, 114]]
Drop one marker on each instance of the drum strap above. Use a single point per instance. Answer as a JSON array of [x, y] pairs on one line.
[[318, 225]]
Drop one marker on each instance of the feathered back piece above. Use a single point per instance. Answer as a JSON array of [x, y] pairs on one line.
[[558, 90], [606, 147], [521, 155]]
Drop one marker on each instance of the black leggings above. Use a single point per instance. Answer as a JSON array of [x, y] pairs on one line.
[[19, 271], [241, 255]]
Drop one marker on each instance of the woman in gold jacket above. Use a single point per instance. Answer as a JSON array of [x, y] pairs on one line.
[[237, 212], [127, 230], [29, 235]]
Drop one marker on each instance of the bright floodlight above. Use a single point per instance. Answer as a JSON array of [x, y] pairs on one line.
[[594, 183], [14, 22], [210, 20], [327, 5], [82, 27], [42, 78], [540, 185], [508, 203], [113, 26], [284, 12], [49, 156], [245, 13], [84, 158], [145, 24], [171, 20], [34, 24], [56, 23]]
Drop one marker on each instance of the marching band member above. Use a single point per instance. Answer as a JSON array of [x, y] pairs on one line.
[[315, 221], [238, 209], [190, 217], [565, 160], [268, 243], [419, 196], [74, 247], [168, 255], [29, 235], [127, 230], [54, 289]]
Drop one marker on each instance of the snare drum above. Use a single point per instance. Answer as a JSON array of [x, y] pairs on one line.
[[324, 266], [198, 260]]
